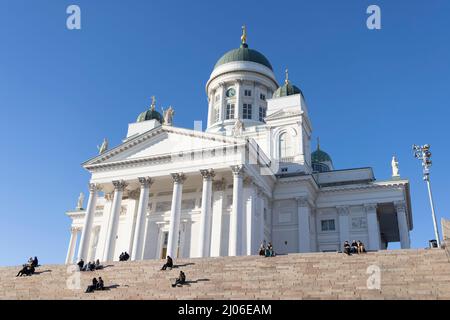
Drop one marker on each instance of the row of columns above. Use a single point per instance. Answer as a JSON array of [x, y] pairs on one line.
[[373, 225], [204, 236]]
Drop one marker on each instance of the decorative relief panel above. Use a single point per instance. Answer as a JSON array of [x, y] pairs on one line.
[[359, 223]]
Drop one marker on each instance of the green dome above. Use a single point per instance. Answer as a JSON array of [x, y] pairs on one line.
[[287, 89], [150, 115], [244, 54], [320, 156]]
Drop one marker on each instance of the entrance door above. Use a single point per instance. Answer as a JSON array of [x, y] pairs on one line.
[[164, 245]]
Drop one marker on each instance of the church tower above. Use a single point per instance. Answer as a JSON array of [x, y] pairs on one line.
[[239, 85]]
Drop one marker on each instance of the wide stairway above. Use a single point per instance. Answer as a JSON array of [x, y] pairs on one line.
[[396, 274]]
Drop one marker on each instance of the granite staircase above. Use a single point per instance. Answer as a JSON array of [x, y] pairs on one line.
[[391, 274]]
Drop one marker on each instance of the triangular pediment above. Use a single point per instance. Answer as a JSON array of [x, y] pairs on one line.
[[281, 114], [160, 142]]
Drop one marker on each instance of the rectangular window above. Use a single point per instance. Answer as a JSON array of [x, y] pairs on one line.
[[284, 169], [262, 97], [248, 93], [262, 113], [328, 225], [230, 111], [247, 111]]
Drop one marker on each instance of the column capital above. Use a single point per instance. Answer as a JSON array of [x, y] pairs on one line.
[[220, 185], [178, 177], [400, 205], [208, 174], [302, 201], [75, 229], [145, 182], [238, 170], [94, 187], [343, 210], [119, 185], [370, 207]]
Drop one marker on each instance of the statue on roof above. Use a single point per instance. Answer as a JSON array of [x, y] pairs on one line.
[[168, 116], [103, 147], [244, 35], [153, 105], [395, 170], [80, 201], [238, 128]]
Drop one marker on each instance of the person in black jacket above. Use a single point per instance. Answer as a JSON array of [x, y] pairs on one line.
[[80, 264], [92, 287], [347, 249], [168, 264], [100, 284], [180, 280]]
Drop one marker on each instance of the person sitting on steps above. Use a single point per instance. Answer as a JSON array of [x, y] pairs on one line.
[[100, 284], [269, 250], [361, 247], [80, 264], [27, 270], [92, 287], [168, 264], [262, 249], [124, 256], [180, 280], [354, 247], [347, 249], [35, 262], [98, 266]]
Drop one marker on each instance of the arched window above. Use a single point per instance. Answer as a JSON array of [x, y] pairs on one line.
[[285, 147]]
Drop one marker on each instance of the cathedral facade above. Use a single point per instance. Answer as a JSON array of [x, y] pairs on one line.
[[250, 177]]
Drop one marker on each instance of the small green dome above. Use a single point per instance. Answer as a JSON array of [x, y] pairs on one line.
[[320, 156], [287, 89], [150, 115], [244, 54]]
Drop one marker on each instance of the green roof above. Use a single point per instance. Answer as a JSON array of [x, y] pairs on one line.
[[320, 156], [286, 89], [150, 115], [244, 54]]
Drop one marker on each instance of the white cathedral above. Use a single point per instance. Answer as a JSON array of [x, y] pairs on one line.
[[250, 177]]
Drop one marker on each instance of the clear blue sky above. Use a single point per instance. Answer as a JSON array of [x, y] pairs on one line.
[[371, 94]]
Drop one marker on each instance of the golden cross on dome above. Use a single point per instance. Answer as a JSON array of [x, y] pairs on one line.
[[318, 143]]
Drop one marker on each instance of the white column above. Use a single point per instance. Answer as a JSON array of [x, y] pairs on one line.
[[175, 214], [223, 103], [402, 225], [72, 244], [237, 212], [111, 236], [138, 241], [304, 212], [218, 207], [238, 109], [373, 226], [344, 225], [211, 101], [205, 215], [87, 226], [250, 208]]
